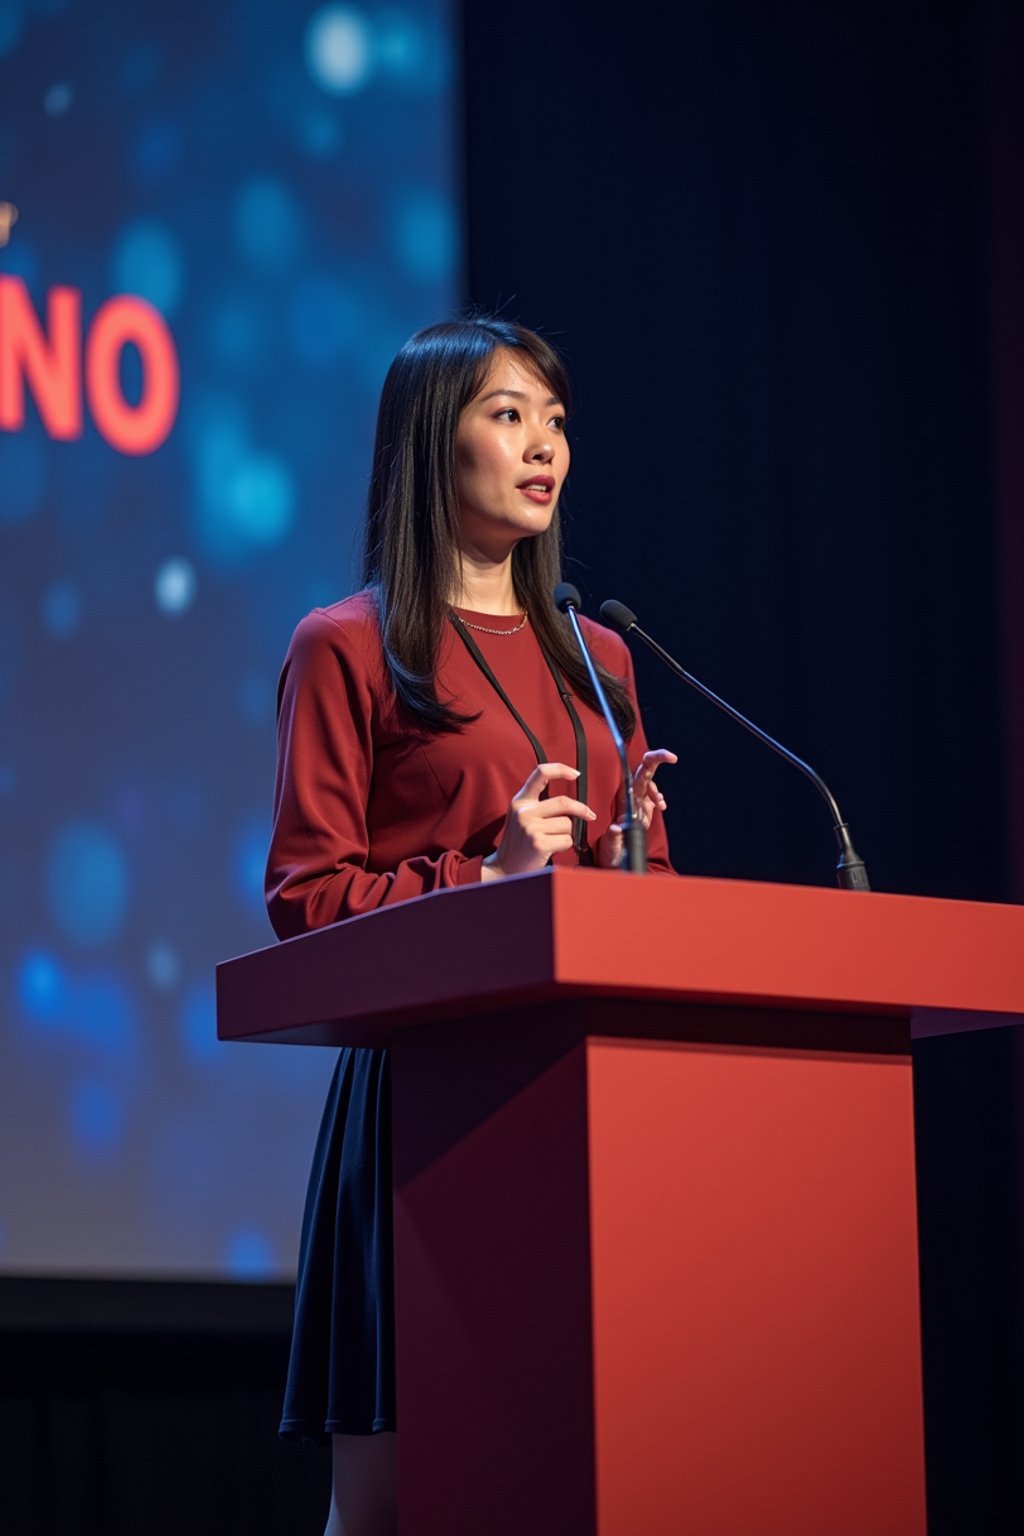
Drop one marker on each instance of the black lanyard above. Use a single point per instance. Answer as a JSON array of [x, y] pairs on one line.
[[579, 826]]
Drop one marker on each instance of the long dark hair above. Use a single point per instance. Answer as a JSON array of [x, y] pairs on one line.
[[412, 523]]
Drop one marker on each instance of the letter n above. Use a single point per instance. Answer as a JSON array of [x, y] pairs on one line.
[[49, 361]]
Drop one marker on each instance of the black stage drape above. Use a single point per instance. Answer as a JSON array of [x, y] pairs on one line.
[[149, 1406], [783, 248], [761, 234]]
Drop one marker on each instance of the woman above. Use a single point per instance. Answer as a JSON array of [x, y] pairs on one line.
[[437, 729]]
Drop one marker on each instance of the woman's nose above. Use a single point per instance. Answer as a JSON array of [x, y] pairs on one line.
[[541, 450]]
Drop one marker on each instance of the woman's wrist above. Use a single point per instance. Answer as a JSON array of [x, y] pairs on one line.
[[489, 869]]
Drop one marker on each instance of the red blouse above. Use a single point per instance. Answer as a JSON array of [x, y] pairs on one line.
[[369, 808]]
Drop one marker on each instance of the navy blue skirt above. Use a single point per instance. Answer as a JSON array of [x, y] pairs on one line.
[[341, 1374]]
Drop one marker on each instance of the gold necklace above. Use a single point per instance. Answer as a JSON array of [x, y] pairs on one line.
[[484, 629]]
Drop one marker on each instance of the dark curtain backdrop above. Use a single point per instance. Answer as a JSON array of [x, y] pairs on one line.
[[782, 247], [761, 234], [149, 1408], [1004, 99]]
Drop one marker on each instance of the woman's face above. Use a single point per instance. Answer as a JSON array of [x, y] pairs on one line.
[[511, 457]]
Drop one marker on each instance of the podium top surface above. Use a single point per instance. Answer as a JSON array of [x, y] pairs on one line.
[[566, 933]]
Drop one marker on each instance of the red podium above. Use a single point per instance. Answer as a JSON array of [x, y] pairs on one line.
[[656, 1244]]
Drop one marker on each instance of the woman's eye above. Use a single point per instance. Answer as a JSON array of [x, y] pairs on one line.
[[510, 413]]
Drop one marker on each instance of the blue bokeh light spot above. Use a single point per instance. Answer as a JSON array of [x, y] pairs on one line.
[[426, 235], [412, 52], [8, 779], [12, 18], [398, 44], [175, 586], [248, 1254], [147, 262], [338, 49], [86, 883], [23, 476], [41, 987], [163, 965], [248, 864], [62, 609], [96, 1116], [246, 500], [268, 225], [58, 99], [323, 317], [261, 498]]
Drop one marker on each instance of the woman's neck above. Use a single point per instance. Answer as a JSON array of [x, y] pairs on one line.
[[484, 587]]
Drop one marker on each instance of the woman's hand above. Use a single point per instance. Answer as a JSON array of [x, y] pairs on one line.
[[647, 795], [536, 828]]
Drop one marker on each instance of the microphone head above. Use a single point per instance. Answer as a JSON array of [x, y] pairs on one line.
[[618, 615], [567, 596]]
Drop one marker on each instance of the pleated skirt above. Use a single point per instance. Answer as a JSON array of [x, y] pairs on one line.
[[341, 1372]]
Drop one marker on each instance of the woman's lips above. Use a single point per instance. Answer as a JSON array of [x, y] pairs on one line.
[[540, 490]]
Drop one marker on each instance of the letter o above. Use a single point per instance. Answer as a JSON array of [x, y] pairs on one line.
[[132, 428]]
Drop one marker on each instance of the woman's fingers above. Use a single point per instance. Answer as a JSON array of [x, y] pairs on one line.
[[644, 787], [559, 805], [650, 764], [647, 798], [529, 803], [537, 827], [542, 775], [541, 835]]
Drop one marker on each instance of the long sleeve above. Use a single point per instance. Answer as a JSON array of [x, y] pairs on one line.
[[318, 869]]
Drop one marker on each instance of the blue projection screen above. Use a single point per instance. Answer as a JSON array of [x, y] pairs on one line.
[[217, 225]]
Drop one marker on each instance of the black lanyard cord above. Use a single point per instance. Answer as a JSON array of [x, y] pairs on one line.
[[579, 826]]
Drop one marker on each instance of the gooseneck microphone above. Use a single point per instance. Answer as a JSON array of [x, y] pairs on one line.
[[634, 836], [851, 872]]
